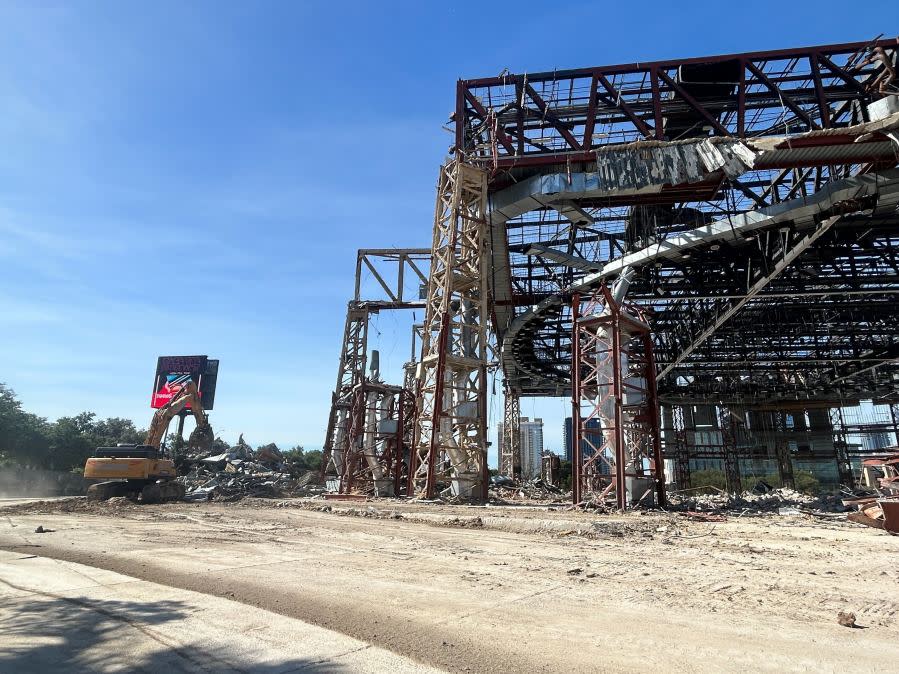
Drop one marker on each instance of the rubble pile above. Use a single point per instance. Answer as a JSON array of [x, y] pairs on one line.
[[505, 489], [240, 472], [761, 499]]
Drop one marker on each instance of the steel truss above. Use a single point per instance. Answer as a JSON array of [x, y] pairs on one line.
[[681, 448], [613, 375], [803, 311], [510, 443], [350, 374], [373, 458], [450, 447], [516, 123], [728, 426], [782, 449], [388, 267], [841, 447]]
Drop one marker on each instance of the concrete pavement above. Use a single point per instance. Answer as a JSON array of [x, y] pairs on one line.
[[60, 616]]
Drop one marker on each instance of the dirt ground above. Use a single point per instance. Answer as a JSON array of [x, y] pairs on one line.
[[499, 589]]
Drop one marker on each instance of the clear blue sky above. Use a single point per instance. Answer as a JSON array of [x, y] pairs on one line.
[[180, 178]]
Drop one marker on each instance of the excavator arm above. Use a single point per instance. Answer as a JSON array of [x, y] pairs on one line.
[[188, 395]]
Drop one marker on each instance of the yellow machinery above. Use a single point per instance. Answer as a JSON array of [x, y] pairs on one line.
[[142, 470]]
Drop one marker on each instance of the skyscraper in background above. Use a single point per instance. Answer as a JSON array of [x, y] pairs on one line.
[[531, 448]]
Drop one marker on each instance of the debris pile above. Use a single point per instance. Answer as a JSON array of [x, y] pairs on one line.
[[504, 489], [761, 499], [877, 503], [240, 472]]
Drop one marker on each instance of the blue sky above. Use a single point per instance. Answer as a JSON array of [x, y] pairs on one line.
[[180, 178]]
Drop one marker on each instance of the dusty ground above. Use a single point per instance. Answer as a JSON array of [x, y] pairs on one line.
[[512, 589], [58, 616]]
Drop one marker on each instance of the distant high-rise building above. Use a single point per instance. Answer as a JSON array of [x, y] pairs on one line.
[[531, 448], [531, 433]]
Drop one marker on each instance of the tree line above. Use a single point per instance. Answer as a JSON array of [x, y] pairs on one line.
[[31, 441]]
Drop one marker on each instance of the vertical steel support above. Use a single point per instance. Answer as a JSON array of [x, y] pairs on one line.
[[350, 373], [681, 448], [577, 452], [374, 443], [894, 415], [614, 387], [450, 446], [510, 449], [729, 448], [841, 447], [782, 449], [652, 419]]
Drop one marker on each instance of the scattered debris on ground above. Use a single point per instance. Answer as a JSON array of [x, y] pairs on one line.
[[240, 472], [505, 490], [781, 501], [846, 619], [877, 504]]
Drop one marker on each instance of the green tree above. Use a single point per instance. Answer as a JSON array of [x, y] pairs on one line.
[[299, 461], [72, 441], [24, 437], [565, 469], [110, 432]]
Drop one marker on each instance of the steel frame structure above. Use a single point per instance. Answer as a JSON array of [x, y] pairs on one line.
[[787, 314], [510, 443], [614, 381], [796, 310], [728, 426], [350, 374], [782, 450], [792, 313], [551, 248], [450, 446], [517, 123], [680, 448], [841, 447], [373, 458], [354, 347]]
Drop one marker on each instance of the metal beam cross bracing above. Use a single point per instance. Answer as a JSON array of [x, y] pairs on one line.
[[450, 448], [615, 411], [350, 373], [389, 267], [510, 443], [374, 453]]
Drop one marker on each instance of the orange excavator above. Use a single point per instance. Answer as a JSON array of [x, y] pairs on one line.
[[144, 471]]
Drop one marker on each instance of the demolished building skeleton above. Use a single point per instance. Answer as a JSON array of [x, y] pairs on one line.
[[732, 186]]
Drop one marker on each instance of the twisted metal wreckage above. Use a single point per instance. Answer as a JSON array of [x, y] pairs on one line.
[[709, 239]]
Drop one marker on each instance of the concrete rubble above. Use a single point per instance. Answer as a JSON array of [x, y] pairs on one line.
[[240, 472], [506, 490], [760, 500]]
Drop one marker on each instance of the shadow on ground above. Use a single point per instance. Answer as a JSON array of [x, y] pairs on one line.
[[93, 635]]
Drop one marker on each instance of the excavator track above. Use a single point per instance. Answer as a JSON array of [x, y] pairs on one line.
[[103, 491], [162, 491], [155, 492]]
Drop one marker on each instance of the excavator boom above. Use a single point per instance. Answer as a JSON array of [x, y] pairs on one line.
[[188, 395]]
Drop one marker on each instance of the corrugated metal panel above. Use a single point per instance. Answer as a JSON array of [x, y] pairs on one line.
[[847, 153]]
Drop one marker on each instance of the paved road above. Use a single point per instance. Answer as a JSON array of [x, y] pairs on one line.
[[60, 616]]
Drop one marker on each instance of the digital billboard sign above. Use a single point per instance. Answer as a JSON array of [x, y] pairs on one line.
[[173, 373]]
